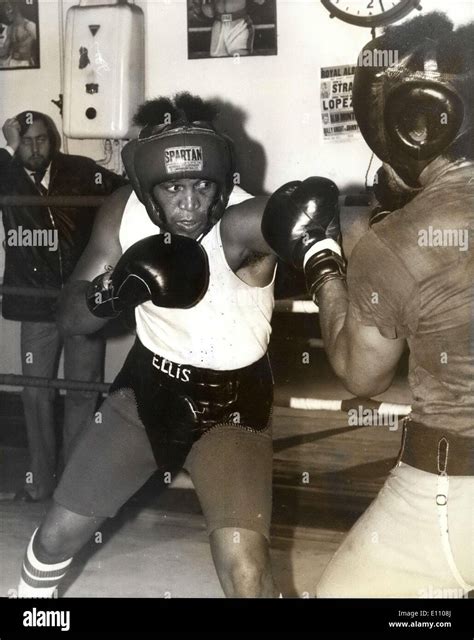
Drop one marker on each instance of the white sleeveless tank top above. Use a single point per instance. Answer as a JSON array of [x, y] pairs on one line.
[[228, 329]]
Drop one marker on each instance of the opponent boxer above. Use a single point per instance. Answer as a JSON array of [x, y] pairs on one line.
[[196, 388], [417, 538]]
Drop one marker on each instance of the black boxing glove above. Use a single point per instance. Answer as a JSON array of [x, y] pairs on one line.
[[390, 190], [170, 270], [301, 224]]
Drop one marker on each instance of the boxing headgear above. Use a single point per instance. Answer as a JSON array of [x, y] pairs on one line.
[[409, 112], [176, 151]]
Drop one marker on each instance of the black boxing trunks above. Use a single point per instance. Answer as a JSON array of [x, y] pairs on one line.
[[230, 462], [178, 403]]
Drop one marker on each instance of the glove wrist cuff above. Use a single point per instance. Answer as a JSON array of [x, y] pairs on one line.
[[326, 244], [100, 297], [321, 267]]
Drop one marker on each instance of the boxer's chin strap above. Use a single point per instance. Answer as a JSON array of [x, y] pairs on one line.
[[442, 509], [210, 223], [201, 237]]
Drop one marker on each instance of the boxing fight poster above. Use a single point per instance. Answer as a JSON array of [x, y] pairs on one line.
[[339, 121], [19, 37]]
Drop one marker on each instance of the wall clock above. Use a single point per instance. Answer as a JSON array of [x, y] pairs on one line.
[[370, 13]]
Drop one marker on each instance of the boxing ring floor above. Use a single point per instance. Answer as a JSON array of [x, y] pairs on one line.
[[326, 472]]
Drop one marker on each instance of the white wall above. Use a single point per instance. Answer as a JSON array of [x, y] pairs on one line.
[[278, 95]]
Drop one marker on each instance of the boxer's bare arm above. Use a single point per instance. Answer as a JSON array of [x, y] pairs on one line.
[[102, 252], [361, 357], [241, 233]]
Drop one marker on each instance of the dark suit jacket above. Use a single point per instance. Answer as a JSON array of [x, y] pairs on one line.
[[37, 266]]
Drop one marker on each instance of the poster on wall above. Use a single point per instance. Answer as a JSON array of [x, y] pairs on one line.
[[19, 37], [216, 30], [339, 122]]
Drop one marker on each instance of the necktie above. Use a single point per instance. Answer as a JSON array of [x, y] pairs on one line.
[[37, 177]]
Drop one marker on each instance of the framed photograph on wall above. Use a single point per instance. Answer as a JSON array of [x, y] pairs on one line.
[[19, 34], [228, 28]]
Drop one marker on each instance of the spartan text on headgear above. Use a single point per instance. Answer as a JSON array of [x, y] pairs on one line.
[[179, 159]]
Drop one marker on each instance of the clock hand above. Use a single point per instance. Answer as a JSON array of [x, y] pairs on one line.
[[381, 4]]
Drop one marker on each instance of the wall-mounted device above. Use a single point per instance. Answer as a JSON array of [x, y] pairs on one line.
[[104, 71]]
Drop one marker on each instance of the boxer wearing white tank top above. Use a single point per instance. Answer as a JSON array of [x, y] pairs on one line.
[[196, 388]]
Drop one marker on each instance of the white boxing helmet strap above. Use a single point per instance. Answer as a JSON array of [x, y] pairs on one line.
[[177, 151]]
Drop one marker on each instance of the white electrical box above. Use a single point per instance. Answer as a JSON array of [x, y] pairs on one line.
[[104, 72]]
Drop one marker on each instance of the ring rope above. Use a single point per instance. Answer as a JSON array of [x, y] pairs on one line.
[[308, 404]]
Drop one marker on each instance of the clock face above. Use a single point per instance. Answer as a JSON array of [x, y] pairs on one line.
[[369, 12]]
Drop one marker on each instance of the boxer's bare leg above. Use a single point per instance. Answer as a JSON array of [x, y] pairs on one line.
[[63, 533], [242, 562]]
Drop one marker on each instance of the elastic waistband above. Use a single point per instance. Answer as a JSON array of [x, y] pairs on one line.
[[187, 373], [437, 451], [229, 17]]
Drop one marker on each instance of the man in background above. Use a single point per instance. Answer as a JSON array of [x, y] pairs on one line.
[[42, 247]]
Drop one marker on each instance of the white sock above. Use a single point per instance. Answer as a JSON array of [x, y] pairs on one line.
[[40, 580]]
